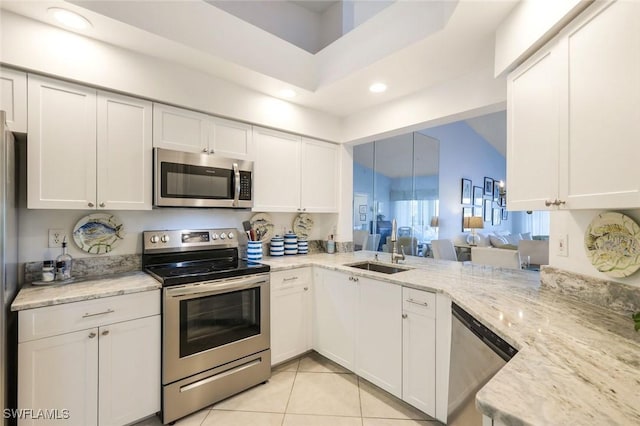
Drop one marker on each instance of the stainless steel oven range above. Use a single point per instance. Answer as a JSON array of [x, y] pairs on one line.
[[215, 317]]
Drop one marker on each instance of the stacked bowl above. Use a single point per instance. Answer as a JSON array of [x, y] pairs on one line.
[[303, 246]]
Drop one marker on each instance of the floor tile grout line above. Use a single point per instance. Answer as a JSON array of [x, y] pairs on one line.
[[286, 407]]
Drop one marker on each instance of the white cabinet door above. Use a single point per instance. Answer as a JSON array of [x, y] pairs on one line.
[[231, 139], [379, 334], [533, 133], [13, 98], [124, 175], [59, 373], [419, 350], [320, 175], [277, 171], [335, 299], [180, 129], [129, 376], [61, 168], [290, 314], [601, 103]]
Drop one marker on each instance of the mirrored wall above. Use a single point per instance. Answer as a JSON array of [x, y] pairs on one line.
[[396, 178]]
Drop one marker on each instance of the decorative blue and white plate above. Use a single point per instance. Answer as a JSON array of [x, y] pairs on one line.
[[98, 233], [262, 222]]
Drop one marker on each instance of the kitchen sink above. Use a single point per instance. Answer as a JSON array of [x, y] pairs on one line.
[[378, 267]]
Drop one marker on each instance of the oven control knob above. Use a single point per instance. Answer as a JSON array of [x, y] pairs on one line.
[[223, 236], [154, 239], [165, 238], [214, 236], [230, 235]]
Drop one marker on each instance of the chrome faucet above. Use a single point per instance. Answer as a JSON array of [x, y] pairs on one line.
[[395, 256]]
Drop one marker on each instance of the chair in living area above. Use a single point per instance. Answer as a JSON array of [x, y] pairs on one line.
[[410, 245], [501, 258], [360, 238], [443, 250]]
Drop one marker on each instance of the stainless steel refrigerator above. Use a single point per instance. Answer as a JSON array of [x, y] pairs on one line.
[[9, 264]]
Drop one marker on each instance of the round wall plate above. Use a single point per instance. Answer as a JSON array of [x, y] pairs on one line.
[[612, 243], [98, 233]]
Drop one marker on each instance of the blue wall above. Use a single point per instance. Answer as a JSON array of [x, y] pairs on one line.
[[464, 154]]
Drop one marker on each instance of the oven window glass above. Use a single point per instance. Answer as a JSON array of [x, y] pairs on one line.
[[186, 181], [213, 321]]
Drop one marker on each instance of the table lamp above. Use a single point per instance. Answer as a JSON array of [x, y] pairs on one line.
[[473, 222]]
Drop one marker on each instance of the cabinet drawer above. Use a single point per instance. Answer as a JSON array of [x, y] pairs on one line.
[[54, 320], [283, 280], [418, 301]]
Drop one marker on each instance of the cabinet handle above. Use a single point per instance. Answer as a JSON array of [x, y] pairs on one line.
[[354, 279], [418, 303], [108, 311], [306, 288], [205, 150], [102, 204], [561, 203], [92, 335], [290, 279], [548, 203], [304, 210], [90, 204], [106, 332], [211, 151], [404, 316]]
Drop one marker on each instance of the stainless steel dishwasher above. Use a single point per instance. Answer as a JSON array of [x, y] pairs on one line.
[[477, 354]]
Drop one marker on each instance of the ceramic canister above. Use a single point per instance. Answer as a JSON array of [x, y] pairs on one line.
[[290, 244], [303, 246], [277, 246], [254, 250]]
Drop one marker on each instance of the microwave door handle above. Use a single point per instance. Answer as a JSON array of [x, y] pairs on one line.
[[236, 177]]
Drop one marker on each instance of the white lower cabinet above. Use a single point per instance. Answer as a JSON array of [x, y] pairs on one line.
[[379, 334], [334, 316], [95, 362], [290, 314], [419, 349]]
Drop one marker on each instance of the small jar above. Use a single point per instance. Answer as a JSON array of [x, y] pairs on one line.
[[48, 270]]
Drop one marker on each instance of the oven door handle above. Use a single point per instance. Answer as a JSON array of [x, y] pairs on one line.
[[213, 287], [236, 178]]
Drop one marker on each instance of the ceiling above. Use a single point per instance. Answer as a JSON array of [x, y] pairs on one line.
[[409, 45]]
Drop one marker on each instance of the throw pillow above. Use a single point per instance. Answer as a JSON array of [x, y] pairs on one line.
[[497, 241], [526, 236], [513, 239]]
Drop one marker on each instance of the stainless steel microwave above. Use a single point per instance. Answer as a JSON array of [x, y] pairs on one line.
[[184, 179]]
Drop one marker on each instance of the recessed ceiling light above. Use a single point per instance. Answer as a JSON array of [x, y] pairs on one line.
[[69, 19], [378, 87], [287, 93]]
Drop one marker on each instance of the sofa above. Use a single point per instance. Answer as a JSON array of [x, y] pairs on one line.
[[500, 249]]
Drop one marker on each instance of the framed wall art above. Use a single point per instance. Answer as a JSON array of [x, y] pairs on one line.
[[465, 195], [488, 186]]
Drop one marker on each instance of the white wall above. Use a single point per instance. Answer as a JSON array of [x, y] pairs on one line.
[[574, 225], [529, 26]]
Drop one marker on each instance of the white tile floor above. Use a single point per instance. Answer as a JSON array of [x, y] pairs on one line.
[[309, 391]]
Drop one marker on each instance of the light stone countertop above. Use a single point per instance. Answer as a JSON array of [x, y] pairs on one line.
[[31, 296], [578, 364]]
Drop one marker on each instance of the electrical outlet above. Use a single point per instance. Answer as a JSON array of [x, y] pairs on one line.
[[56, 236], [563, 248]]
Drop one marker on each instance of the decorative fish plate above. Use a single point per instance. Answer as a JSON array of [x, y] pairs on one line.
[[302, 225], [612, 243], [98, 233]]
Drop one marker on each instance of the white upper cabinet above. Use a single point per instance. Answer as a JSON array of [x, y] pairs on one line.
[[13, 98], [320, 173], [87, 150], [600, 102], [574, 116], [61, 153], [533, 132], [125, 151], [294, 174], [189, 131]]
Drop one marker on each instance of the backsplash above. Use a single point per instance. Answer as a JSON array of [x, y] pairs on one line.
[[90, 266], [619, 297]]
